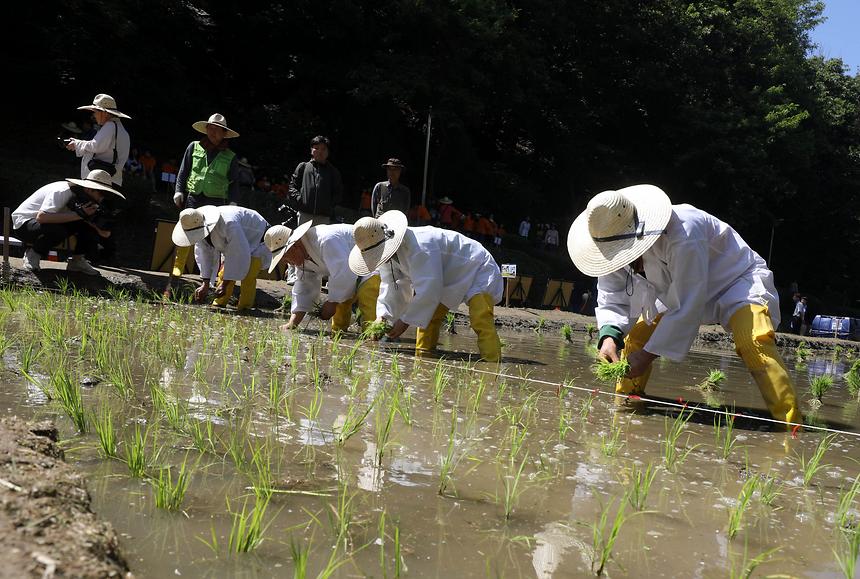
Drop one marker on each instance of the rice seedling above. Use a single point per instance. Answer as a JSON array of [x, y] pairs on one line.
[[477, 396], [603, 539], [847, 552], [384, 423], [819, 386], [135, 454], [263, 480], [769, 489], [585, 407], [312, 410], [169, 494], [846, 517], [449, 323], [248, 528], [724, 438], [202, 435], [340, 516], [610, 372], [610, 442], [348, 361], [440, 381], [812, 465], [6, 342], [511, 479], [275, 391], [567, 332], [375, 330], [852, 379], [29, 355], [103, 424], [748, 566], [591, 328], [352, 422], [640, 485], [713, 381], [565, 418], [448, 462], [299, 554], [672, 457], [68, 393], [802, 352], [736, 513], [541, 323]]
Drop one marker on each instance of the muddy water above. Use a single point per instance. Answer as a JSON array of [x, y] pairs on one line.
[[565, 481]]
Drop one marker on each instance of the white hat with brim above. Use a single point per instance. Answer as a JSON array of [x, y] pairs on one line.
[[97, 179], [445, 201], [280, 238], [376, 240], [106, 103], [72, 127], [617, 227], [195, 224], [219, 121]]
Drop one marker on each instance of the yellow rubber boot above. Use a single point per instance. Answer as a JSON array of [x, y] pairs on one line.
[[427, 338], [755, 344], [342, 316], [228, 289], [481, 320], [179, 261], [248, 288], [635, 341], [368, 293]]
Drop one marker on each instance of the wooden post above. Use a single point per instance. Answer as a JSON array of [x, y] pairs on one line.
[[6, 232], [507, 292]]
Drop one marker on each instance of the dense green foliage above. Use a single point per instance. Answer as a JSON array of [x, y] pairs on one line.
[[537, 104]]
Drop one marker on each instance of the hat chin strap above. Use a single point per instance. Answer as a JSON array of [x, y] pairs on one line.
[[638, 233], [387, 234]]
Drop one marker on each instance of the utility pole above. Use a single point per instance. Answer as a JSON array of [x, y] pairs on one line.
[[426, 158]]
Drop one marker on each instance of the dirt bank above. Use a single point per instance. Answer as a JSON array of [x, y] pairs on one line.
[[270, 295], [46, 526]]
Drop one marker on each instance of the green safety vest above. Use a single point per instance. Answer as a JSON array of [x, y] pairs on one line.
[[208, 179]]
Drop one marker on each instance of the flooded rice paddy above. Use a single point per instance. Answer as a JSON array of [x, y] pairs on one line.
[[219, 446]]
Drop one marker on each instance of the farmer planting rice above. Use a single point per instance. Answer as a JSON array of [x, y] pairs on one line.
[[442, 268], [665, 269], [235, 232], [318, 252]]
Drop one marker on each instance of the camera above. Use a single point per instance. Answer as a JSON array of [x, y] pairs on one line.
[[103, 218]]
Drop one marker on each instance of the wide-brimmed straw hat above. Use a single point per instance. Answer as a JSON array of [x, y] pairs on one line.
[[106, 103], [445, 201], [195, 224], [72, 127], [617, 227], [392, 162], [218, 120], [97, 179], [376, 240], [280, 238]]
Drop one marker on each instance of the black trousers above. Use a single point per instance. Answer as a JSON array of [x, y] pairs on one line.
[[44, 236]]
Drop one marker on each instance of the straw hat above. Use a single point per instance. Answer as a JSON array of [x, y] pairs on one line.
[[376, 240], [97, 179], [445, 201], [280, 238], [219, 121], [106, 103], [394, 163], [72, 127], [617, 227], [195, 224]]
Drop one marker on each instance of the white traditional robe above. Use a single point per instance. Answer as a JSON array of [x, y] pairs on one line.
[[441, 267], [328, 248], [101, 148], [699, 272], [239, 237]]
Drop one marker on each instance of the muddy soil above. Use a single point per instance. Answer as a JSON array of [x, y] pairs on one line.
[[270, 295], [47, 527]]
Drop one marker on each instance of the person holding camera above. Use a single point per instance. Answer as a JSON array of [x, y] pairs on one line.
[[108, 150], [59, 210]]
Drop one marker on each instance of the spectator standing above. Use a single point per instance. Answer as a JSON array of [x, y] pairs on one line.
[[449, 218], [392, 194], [108, 149], [316, 186], [59, 210], [207, 176], [797, 315], [551, 238], [525, 227], [147, 163], [364, 203], [804, 318], [245, 174]]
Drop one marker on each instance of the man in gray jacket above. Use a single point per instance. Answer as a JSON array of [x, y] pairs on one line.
[[316, 186]]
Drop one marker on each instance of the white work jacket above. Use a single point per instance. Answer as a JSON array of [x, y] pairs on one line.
[[328, 248], [101, 148], [700, 271], [239, 237], [439, 266]]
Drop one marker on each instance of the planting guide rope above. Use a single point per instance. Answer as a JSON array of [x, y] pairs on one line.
[[684, 406]]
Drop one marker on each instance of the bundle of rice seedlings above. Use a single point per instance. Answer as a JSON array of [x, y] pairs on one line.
[[376, 329], [610, 371], [713, 381]]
